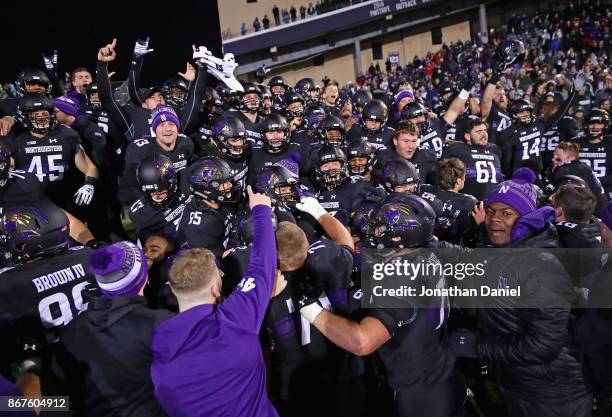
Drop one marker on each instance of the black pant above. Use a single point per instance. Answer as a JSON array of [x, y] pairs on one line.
[[561, 407], [442, 400]]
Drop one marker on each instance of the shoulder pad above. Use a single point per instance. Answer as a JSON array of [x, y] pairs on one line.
[[65, 128], [17, 173], [141, 142], [77, 248], [316, 245], [569, 225], [136, 205]]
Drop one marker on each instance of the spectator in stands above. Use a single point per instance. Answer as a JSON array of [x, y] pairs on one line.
[[276, 14], [302, 12], [256, 24], [243, 29], [286, 18], [556, 43], [293, 13], [266, 22], [311, 10], [604, 93]]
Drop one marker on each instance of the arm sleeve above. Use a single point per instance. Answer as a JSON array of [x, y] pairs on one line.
[[134, 80], [192, 107], [334, 276], [56, 85], [247, 305], [128, 184], [115, 112]]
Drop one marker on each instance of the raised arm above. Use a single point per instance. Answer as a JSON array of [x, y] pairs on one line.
[[579, 82], [487, 97], [140, 50], [117, 114], [196, 93], [247, 304]]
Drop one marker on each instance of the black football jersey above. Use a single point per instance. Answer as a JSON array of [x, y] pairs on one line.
[[252, 129], [456, 208], [22, 187], [204, 227], [417, 351], [260, 158], [599, 157], [305, 142], [148, 219], [424, 159], [8, 106], [498, 121], [203, 141], [327, 271], [381, 139], [343, 200], [101, 118], [38, 298], [234, 265], [520, 145], [240, 171], [483, 169], [50, 158], [457, 129], [181, 156], [433, 137]]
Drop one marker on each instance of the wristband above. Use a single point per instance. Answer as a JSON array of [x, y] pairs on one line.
[[464, 95], [310, 312], [91, 180]]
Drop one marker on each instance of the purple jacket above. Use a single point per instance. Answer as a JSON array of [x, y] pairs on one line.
[[79, 99], [207, 361]]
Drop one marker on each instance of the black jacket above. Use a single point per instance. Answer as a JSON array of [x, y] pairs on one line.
[[592, 330], [582, 259], [104, 358], [530, 346]]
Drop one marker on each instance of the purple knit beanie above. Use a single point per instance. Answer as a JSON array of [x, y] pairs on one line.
[[519, 192], [66, 105], [162, 114], [401, 95], [120, 269]]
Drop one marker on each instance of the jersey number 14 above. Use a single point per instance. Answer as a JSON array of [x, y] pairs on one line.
[[534, 149]]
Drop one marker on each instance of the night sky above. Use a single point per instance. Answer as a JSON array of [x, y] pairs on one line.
[[79, 29]]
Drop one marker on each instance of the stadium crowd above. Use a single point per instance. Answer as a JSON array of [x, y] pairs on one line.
[[285, 16], [195, 248]]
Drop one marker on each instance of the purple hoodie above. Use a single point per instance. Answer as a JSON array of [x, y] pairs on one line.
[[207, 361]]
